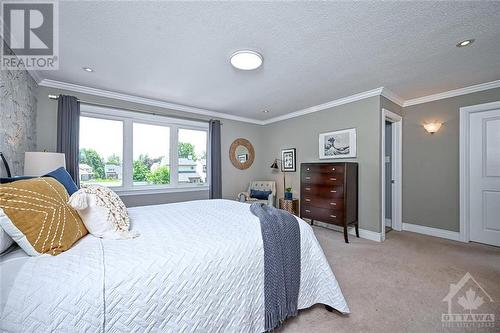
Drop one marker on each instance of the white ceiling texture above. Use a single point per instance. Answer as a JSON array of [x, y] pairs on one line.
[[314, 52]]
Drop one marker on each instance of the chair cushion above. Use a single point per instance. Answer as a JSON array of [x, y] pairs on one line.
[[64, 178], [261, 195], [36, 214]]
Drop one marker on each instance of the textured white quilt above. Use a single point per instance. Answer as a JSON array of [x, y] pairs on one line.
[[197, 267]]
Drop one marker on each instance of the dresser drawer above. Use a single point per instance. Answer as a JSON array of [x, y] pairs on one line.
[[322, 168], [322, 191], [322, 178], [320, 202], [322, 214]]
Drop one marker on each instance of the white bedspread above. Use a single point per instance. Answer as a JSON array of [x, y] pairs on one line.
[[197, 267]]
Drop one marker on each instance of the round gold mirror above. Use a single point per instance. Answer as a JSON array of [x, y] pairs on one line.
[[241, 153]]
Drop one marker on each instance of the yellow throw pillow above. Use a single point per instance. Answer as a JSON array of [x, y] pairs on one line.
[[36, 214]]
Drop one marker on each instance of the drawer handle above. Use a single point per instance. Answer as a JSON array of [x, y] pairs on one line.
[[333, 178], [333, 216], [333, 191], [308, 199], [333, 169], [307, 169], [308, 177], [308, 188], [333, 204], [308, 211]]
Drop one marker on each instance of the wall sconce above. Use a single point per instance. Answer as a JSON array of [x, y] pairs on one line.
[[432, 127]]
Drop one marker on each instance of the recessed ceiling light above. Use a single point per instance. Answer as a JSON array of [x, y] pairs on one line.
[[466, 42], [266, 111], [246, 60], [88, 69]]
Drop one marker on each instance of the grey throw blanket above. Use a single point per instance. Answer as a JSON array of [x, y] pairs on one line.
[[281, 238]]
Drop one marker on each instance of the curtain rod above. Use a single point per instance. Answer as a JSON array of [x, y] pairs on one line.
[[55, 97]]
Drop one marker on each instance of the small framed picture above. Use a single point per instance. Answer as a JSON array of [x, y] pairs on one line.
[[338, 144], [288, 162], [242, 158]]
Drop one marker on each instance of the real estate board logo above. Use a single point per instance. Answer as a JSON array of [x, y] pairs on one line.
[[469, 305], [30, 35]]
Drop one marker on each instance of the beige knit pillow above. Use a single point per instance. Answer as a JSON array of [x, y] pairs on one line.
[[36, 214], [102, 212]]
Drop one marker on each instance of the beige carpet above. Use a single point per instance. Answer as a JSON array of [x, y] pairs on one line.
[[399, 285]]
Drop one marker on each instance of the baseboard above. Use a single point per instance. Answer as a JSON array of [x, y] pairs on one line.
[[388, 222], [442, 233], [363, 233]]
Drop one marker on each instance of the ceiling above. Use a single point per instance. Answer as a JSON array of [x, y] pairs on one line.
[[314, 52]]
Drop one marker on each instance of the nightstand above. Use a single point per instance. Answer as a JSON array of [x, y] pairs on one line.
[[291, 206]]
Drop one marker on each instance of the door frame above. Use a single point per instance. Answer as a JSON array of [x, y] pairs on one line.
[[397, 158], [464, 181]]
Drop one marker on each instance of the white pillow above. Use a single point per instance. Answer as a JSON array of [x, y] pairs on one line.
[[5, 240], [103, 212]]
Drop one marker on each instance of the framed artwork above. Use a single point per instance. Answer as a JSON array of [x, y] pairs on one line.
[[288, 160], [242, 158], [338, 144]]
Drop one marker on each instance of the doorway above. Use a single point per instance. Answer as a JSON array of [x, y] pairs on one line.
[[391, 164], [388, 176], [480, 173]]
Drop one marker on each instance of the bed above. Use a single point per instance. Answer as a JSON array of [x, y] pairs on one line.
[[197, 267]]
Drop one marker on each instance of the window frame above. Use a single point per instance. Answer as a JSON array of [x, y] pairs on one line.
[[128, 118]]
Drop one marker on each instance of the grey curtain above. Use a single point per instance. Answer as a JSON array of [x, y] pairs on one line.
[[68, 133], [215, 188]]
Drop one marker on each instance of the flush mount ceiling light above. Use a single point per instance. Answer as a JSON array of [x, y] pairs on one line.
[[265, 111], [465, 43], [246, 60], [88, 69]]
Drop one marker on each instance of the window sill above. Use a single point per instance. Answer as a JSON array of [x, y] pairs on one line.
[[145, 191]]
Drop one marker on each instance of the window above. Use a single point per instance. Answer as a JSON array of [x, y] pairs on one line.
[[151, 155], [101, 151], [134, 151], [192, 152]]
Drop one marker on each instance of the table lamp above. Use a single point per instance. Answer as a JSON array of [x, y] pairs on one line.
[[41, 163]]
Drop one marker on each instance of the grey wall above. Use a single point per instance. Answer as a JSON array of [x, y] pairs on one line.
[[17, 118], [234, 180], [431, 162], [302, 133], [391, 106]]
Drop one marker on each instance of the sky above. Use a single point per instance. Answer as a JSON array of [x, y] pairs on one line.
[[105, 136]]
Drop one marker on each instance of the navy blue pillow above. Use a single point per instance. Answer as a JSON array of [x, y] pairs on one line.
[[261, 195], [63, 177], [13, 179]]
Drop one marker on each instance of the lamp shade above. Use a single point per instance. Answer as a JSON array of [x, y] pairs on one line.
[[275, 165], [41, 163], [432, 127]]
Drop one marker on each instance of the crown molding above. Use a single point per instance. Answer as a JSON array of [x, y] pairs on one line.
[[328, 105], [381, 91], [143, 100], [390, 95], [453, 93]]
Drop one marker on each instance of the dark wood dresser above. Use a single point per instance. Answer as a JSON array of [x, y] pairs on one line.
[[329, 193]]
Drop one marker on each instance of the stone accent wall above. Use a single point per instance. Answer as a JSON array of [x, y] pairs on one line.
[[17, 118]]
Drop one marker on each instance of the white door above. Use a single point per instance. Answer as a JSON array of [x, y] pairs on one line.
[[484, 177]]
